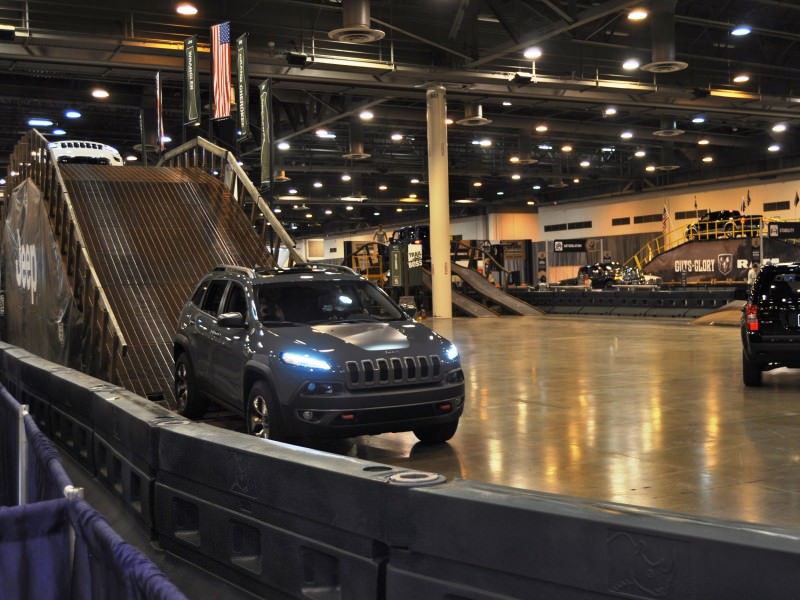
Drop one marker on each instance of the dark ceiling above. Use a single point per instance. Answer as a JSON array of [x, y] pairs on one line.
[[474, 48]]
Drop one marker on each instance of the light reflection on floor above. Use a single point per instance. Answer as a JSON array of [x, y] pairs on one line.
[[651, 413]]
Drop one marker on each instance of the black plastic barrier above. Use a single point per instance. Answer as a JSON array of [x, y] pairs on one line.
[[270, 516]]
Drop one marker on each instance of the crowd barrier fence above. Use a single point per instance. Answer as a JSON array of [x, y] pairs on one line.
[[300, 523]]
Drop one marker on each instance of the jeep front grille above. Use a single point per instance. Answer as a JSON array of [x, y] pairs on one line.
[[406, 370]]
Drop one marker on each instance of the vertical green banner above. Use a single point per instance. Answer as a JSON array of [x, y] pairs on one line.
[[242, 90], [265, 96], [191, 87]]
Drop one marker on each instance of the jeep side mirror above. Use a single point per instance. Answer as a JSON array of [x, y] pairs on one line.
[[231, 319]]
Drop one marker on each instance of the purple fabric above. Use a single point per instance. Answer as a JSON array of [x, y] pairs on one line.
[[46, 476], [35, 551], [9, 442], [108, 567]]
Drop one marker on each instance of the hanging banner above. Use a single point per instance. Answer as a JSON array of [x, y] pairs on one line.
[[191, 87], [242, 90], [265, 96]]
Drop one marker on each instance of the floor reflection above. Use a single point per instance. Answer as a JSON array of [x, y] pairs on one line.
[[651, 413]]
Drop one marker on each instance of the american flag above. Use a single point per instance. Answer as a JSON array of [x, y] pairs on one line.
[[221, 59]]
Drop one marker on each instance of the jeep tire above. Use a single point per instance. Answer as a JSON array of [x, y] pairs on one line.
[[262, 416], [436, 434], [188, 402], [751, 371]]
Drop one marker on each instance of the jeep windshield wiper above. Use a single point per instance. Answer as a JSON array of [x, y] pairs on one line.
[[281, 323]]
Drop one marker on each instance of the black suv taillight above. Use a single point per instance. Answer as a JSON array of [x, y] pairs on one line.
[[751, 317]]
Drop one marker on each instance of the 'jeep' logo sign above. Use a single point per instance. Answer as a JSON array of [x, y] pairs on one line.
[[26, 269]]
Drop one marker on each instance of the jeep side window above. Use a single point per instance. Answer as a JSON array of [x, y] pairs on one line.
[[213, 297], [197, 297], [236, 300]]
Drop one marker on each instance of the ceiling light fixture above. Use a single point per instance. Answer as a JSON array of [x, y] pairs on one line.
[[59, 131], [545, 147], [414, 180], [317, 184], [513, 160], [40, 122], [72, 114], [383, 187], [698, 119], [610, 111], [650, 168], [100, 93], [506, 103], [774, 148], [186, 9], [537, 187], [741, 78], [708, 159], [626, 135], [366, 115], [637, 14], [531, 203], [397, 137], [516, 176], [741, 30], [284, 145], [532, 53], [346, 177], [541, 128], [131, 158], [631, 64], [585, 163], [328, 211], [640, 154], [703, 142], [566, 148], [779, 127], [477, 184]]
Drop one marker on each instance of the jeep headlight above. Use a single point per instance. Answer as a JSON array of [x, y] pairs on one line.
[[451, 352], [306, 361]]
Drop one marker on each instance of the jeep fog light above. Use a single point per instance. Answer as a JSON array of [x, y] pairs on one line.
[[309, 415]]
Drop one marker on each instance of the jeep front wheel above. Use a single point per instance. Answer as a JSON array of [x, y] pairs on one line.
[[262, 414], [188, 402], [436, 434]]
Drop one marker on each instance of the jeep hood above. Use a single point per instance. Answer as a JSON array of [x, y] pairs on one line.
[[374, 336]]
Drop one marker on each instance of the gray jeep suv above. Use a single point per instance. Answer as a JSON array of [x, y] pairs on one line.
[[313, 351]]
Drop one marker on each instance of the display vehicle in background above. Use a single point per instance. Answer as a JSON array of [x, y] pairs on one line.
[[724, 224], [313, 351], [85, 153], [770, 326]]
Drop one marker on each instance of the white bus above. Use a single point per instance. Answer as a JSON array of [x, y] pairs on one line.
[[86, 153]]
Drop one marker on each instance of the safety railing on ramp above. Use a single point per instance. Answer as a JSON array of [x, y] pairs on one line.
[[104, 342], [201, 153]]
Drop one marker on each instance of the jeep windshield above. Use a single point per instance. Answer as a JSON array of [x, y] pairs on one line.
[[323, 301]]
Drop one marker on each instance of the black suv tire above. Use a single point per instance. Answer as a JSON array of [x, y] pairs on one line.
[[262, 415], [751, 371], [436, 434], [189, 402]]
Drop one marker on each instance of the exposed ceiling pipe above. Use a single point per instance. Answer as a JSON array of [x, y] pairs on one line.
[[662, 26], [356, 24]]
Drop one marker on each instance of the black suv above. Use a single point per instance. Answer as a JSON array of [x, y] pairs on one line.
[[771, 322], [724, 224], [313, 351]]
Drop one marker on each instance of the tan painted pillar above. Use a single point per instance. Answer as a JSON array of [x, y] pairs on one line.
[[439, 202]]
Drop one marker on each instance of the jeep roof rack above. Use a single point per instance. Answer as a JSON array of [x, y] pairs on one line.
[[306, 267], [235, 269]]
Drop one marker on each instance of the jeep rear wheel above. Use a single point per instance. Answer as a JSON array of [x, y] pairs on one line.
[[262, 414], [751, 371], [436, 434], [188, 402]]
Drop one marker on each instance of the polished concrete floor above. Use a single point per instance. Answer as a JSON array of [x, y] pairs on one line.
[[644, 412]]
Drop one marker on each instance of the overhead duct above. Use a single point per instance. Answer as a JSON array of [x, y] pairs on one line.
[[356, 24], [473, 116], [662, 24], [669, 128], [668, 162], [356, 142], [281, 177]]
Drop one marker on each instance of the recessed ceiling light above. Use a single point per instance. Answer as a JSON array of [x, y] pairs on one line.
[[448, 121], [585, 163], [412, 196], [397, 137], [485, 143], [533, 53], [398, 209], [640, 154], [277, 210], [477, 184], [346, 177], [506, 103], [414, 180], [631, 64], [72, 114], [541, 128], [328, 211], [166, 139], [293, 191], [576, 180], [317, 184], [513, 160], [59, 132], [186, 9], [366, 115], [708, 159], [626, 135], [537, 187], [697, 119], [531, 203], [637, 14], [779, 127], [131, 158], [610, 111], [100, 93], [741, 30], [545, 147], [383, 188], [774, 148], [40, 122], [376, 214], [516, 176], [284, 145], [501, 193], [650, 168], [309, 216], [741, 78], [608, 149], [703, 142], [349, 207]]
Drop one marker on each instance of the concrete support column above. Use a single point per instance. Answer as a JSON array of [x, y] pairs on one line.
[[439, 202]]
